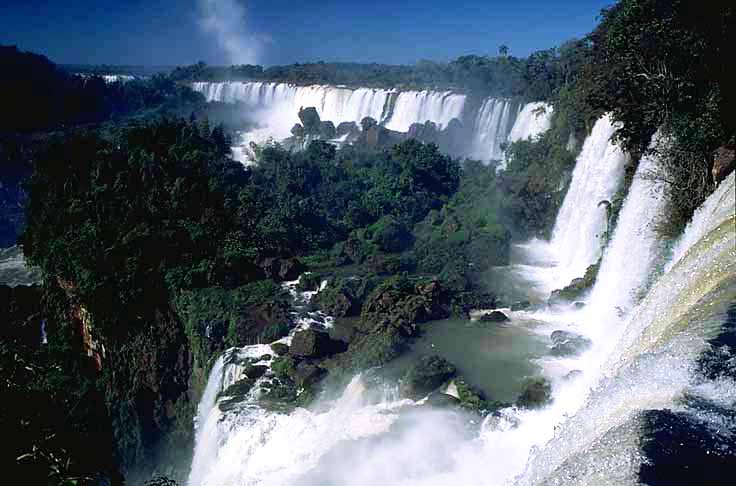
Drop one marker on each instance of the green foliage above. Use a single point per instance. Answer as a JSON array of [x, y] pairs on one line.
[[535, 181], [134, 216], [536, 77], [37, 95]]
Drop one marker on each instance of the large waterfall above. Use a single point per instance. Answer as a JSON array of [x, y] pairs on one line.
[[495, 122], [648, 320]]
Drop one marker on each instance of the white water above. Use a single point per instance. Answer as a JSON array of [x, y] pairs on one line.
[[420, 106], [578, 235], [275, 108], [640, 358]]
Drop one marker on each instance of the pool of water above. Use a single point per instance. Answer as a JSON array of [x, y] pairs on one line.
[[494, 357]]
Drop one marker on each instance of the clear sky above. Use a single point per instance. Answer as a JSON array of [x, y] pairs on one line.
[[175, 32]]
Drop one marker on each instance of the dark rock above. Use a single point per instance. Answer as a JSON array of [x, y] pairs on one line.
[[579, 305], [401, 303], [310, 281], [577, 287], [568, 343], [279, 396], [537, 393], [442, 400], [307, 374], [390, 235], [724, 162], [314, 344], [426, 375], [345, 330], [495, 316], [310, 120], [279, 349], [265, 357], [282, 269], [347, 128], [255, 371]]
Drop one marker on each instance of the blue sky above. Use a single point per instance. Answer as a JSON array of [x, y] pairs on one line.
[[174, 32]]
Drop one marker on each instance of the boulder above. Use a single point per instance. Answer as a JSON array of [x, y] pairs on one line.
[[282, 269], [310, 281], [307, 374], [442, 400], [724, 162], [495, 316], [345, 330], [279, 349], [314, 344], [255, 371], [537, 393], [426, 375], [566, 343]]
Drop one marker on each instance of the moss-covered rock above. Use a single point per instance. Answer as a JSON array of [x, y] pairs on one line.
[[311, 343], [537, 392], [577, 287], [566, 343], [279, 349], [426, 375]]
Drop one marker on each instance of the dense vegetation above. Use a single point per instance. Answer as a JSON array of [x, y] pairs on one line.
[[158, 251], [538, 77]]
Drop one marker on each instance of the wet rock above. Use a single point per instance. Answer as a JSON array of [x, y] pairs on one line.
[[495, 316], [345, 330], [426, 375], [282, 269], [566, 343], [310, 281], [307, 374], [537, 393], [442, 400], [255, 371], [314, 344], [279, 349], [577, 287], [724, 162], [579, 305]]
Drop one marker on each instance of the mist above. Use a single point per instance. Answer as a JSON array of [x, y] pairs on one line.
[[227, 21]]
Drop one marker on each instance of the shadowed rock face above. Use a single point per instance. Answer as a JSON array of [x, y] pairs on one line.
[[314, 344], [566, 343], [426, 375]]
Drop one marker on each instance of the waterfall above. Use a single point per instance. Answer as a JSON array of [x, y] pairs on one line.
[[532, 120], [716, 208], [581, 222], [648, 320], [491, 129], [421, 106], [275, 108]]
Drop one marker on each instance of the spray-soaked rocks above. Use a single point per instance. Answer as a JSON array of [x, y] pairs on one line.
[[311, 343], [426, 375], [577, 287], [537, 393], [493, 316], [566, 343]]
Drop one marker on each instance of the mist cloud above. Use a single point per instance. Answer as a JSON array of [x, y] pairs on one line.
[[227, 21]]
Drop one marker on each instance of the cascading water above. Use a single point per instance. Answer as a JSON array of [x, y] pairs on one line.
[[492, 127], [532, 120], [276, 105], [420, 106], [577, 238], [645, 333]]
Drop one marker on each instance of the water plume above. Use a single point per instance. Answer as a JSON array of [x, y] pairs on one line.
[[227, 21]]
